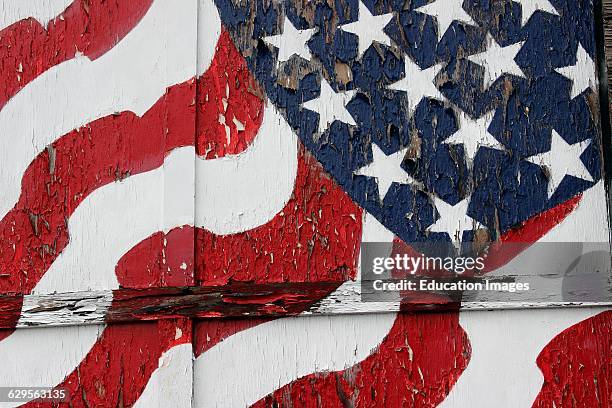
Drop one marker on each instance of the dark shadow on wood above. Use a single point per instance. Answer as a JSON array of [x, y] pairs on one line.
[[603, 37]]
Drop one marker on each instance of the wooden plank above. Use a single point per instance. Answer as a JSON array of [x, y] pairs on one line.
[[478, 359], [257, 299], [607, 26], [605, 70], [71, 274], [64, 263], [222, 302]]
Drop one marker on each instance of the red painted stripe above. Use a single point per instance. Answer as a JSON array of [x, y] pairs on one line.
[[62, 177], [229, 99], [307, 246], [59, 179], [416, 365], [9, 314], [537, 226], [208, 333], [512, 243], [162, 260], [522, 237], [439, 348], [577, 366], [118, 367], [111, 148], [143, 266], [90, 27]]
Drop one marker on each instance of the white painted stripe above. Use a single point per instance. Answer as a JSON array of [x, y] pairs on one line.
[[132, 76], [43, 357], [116, 217], [234, 193], [253, 363], [505, 344], [106, 225], [591, 212], [240, 192], [588, 223], [12, 11], [170, 385], [209, 30], [375, 232]]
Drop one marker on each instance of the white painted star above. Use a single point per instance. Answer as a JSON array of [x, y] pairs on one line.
[[528, 7], [474, 134], [331, 106], [497, 60], [445, 12], [291, 42], [369, 28], [453, 220], [582, 73], [417, 83], [387, 170], [563, 159]]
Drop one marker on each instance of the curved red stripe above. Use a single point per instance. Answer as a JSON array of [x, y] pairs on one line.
[[438, 353], [90, 27], [416, 365], [108, 149], [117, 369], [160, 260], [577, 366], [208, 333], [230, 104], [60, 178], [511, 243]]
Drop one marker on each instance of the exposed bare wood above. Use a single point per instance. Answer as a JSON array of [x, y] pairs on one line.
[[607, 75], [232, 301], [607, 23]]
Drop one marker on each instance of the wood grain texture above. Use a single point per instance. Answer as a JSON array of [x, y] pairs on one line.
[[223, 302], [161, 305], [606, 94], [48, 234], [607, 25]]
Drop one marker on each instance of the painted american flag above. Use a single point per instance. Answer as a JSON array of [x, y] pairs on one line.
[[443, 119], [114, 116]]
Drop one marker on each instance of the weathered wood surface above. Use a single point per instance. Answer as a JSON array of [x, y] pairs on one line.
[[141, 225], [607, 29], [262, 300], [457, 360], [505, 359], [142, 98], [606, 74], [227, 302]]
